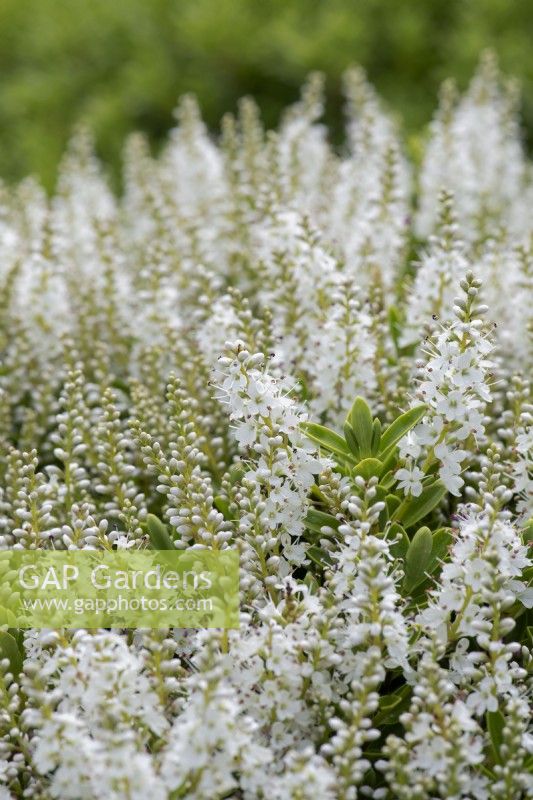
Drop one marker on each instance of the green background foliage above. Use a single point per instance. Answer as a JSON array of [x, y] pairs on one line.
[[121, 64]]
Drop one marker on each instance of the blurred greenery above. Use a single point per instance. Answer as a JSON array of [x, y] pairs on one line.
[[121, 64]]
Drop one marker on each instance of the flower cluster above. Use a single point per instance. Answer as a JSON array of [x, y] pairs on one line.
[[271, 346], [282, 464], [454, 383]]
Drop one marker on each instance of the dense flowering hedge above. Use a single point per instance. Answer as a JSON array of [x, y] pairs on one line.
[[320, 360]]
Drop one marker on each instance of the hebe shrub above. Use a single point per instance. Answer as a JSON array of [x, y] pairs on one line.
[[322, 362]]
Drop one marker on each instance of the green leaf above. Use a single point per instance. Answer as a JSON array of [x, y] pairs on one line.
[[392, 503], [401, 425], [222, 505], [368, 468], [236, 473], [398, 549], [319, 556], [442, 539], [488, 773], [327, 439], [351, 441], [316, 520], [414, 509], [158, 533], [495, 725], [122, 385], [386, 703], [417, 559], [527, 533], [395, 325], [316, 494], [391, 706], [7, 617], [387, 480], [390, 459], [9, 649], [360, 418], [376, 436]]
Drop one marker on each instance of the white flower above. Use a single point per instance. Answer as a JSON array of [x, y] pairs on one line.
[[451, 406], [123, 543], [451, 481], [410, 480], [484, 698]]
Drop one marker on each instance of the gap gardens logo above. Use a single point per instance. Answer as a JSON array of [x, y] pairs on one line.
[[142, 589]]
